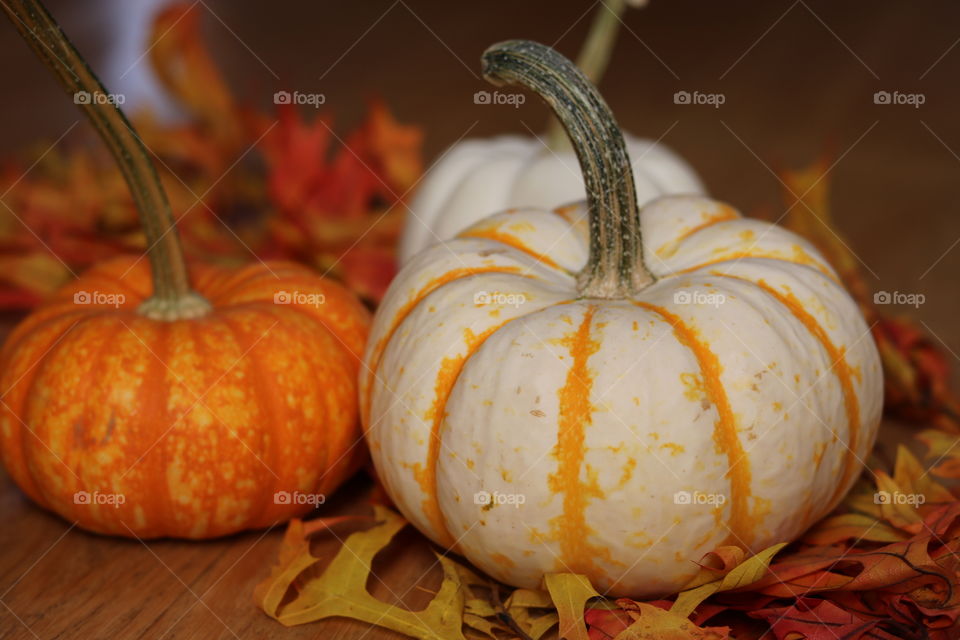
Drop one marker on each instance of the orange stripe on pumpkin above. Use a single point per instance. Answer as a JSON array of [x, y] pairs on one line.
[[800, 258], [510, 241], [725, 428], [724, 214], [268, 402], [838, 364], [426, 475], [575, 412], [406, 310]]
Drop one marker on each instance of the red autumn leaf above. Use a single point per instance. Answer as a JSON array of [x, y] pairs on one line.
[[815, 619], [330, 200], [603, 624]]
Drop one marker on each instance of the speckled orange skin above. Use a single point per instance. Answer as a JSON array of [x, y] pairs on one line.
[[196, 423]]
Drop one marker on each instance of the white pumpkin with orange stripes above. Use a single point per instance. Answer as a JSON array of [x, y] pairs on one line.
[[553, 391]]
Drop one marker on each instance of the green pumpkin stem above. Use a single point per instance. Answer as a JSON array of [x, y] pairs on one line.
[[593, 57], [173, 298], [615, 268]]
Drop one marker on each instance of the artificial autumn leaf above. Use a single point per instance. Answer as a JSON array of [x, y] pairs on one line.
[[915, 367], [915, 480], [916, 375], [852, 526], [479, 623], [570, 593], [815, 619], [530, 610], [243, 185], [927, 559], [29, 277], [944, 450], [340, 590], [716, 564], [294, 559], [898, 513], [479, 607], [529, 599], [807, 192], [653, 623], [483, 609], [606, 624], [741, 575], [326, 204], [938, 620], [863, 499]]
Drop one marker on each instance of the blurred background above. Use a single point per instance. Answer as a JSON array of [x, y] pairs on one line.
[[797, 78]]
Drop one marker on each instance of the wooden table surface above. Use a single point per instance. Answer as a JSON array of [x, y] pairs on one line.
[[797, 76]]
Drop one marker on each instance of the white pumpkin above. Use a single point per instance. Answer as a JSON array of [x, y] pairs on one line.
[[478, 177], [554, 391]]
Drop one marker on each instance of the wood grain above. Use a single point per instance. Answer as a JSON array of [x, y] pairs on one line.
[[60, 582]]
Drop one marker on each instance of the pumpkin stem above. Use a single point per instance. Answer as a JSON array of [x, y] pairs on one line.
[[594, 55], [615, 268], [173, 297]]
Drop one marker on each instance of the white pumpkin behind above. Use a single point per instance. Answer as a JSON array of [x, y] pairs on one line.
[[478, 177]]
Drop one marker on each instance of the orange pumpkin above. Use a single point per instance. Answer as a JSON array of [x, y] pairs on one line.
[[148, 399], [192, 428]]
